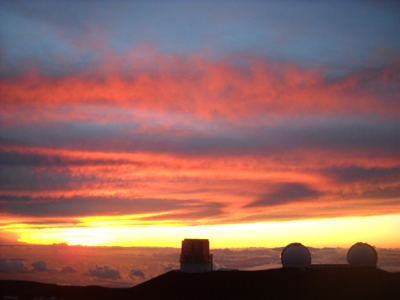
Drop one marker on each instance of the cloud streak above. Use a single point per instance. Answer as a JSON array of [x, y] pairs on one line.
[[95, 206], [208, 89], [286, 193]]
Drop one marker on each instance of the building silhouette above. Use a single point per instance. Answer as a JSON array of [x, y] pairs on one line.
[[296, 255], [362, 255], [195, 256]]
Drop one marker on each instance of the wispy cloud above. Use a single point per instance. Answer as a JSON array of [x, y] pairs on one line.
[[286, 193], [204, 89]]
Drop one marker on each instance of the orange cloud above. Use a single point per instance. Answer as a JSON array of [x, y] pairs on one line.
[[218, 189]]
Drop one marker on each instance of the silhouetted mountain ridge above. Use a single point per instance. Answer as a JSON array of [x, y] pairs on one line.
[[325, 283]]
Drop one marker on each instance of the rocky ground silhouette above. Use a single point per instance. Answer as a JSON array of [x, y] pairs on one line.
[[317, 283]]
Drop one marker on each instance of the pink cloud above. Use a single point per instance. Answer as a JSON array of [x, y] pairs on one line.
[[204, 88]]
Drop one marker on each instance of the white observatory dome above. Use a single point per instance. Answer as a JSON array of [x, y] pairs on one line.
[[296, 255], [362, 255]]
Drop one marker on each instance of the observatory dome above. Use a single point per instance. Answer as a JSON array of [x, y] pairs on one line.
[[362, 255], [296, 255]]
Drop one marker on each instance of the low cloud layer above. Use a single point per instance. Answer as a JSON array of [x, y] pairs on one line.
[[8, 265], [135, 274], [17, 265], [40, 266], [68, 269], [148, 262], [103, 272]]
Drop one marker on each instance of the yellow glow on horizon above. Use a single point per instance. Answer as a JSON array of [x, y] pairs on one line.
[[381, 231]]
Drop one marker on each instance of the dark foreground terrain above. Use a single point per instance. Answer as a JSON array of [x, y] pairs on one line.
[[330, 283]]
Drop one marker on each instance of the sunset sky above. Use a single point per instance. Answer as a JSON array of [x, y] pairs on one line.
[[250, 123]]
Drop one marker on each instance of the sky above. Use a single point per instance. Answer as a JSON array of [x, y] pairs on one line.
[[250, 123]]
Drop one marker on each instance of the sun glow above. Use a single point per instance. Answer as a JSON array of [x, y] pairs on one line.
[[340, 232]]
